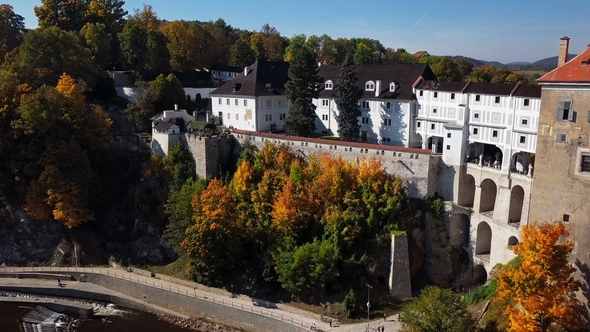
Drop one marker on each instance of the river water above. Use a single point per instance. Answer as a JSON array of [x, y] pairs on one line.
[[120, 318]]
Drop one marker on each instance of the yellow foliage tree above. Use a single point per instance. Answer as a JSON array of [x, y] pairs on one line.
[[68, 87], [540, 292], [243, 178]]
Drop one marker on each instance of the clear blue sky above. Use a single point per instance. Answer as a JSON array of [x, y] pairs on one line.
[[499, 30]]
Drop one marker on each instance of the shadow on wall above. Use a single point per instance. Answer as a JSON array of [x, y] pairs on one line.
[[157, 148]]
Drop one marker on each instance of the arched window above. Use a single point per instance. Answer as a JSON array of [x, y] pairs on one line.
[[329, 85], [370, 86]]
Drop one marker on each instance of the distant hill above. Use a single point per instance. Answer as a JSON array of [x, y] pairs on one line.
[[546, 64]]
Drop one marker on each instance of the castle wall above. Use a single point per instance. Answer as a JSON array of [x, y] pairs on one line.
[[211, 154], [400, 285]]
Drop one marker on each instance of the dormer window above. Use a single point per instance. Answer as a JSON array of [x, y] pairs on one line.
[[329, 85], [370, 86], [392, 86]]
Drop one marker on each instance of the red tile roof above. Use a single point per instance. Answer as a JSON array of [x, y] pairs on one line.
[[577, 70]]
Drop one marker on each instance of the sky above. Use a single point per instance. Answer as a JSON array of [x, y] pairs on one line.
[[497, 30]]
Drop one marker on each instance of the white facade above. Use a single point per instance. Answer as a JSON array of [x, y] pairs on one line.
[[250, 112]]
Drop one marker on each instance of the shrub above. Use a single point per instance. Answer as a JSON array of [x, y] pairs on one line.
[[349, 304], [481, 293], [202, 126]]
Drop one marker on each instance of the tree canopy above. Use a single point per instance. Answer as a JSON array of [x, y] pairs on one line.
[[347, 99]]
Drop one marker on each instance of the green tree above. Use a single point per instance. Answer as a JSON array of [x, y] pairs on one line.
[[349, 304], [398, 56], [98, 41], [133, 41], [180, 212], [180, 164], [67, 15], [447, 70], [363, 54], [437, 310], [465, 67], [483, 73], [158, 56], [51, 52], [165, 91], [301, 89], [347, 99], [142, 110], [242, 54], [12, 30]]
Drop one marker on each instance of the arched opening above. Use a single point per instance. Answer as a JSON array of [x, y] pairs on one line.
[[418, 141], [483, 243], [460, 231], [467, 191], [429, 143], [512, 241], [473, 152], [487, 199], [480, 275], [516, 202], [519, 163], [492, 156]]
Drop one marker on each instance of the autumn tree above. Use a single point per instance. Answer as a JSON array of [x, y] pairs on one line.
[[12, 29], [436, 310], [67, 15], [347, 99], [464, 66], [242, 54], [213, 242], [98, 41], [166, 91], [483, 73], [301, 89], [540, 293], [447, 70]]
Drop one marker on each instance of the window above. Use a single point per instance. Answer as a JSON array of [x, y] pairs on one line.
[[522, 139], [219, 101], [585, 164], [365, 120], [434, 110], [477, 97], [388, 105], [448, 135], [268, 102], [494, 133], [228, 116], [227, 101], [329, 85], [497, 100], [433, 126], [387, 122], [452, 96], [370, 86], [566, 218], [236, 102], [418, 124], [324, 116], [282, 116], [324, 102], [526, 102], [561, 138], [245, 102], [448, 147], [435, 94], [387, 139], [391, 86], [237, 116], [365, 104], [564, 111], [475, 131], [476, 115], [524, 122], [282, 103], [269, 117], [421, 93]]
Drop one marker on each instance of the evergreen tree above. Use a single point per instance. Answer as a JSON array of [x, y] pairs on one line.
[[301, 89], [348, 95]]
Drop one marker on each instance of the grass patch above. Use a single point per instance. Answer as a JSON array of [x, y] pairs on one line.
[[481, 293], [322, 136]]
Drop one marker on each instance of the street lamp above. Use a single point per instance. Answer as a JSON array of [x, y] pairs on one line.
[[368, 305]]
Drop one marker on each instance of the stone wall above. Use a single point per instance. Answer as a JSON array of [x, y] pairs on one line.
[[400, 285], [211, 154]]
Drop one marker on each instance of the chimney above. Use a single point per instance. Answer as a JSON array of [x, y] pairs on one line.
[[377, 88], [246, 71], [563, 49]]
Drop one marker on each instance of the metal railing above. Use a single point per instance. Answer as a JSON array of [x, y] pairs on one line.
[[178, 289]]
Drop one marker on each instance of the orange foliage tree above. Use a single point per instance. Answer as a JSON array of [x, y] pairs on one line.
[[540, 292]]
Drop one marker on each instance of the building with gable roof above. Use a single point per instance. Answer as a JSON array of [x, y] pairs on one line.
[[561, 184]]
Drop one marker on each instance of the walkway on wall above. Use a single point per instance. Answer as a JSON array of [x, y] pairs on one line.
[[284, 313]]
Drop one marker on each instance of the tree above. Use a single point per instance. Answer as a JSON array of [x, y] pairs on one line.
[[349, 304], [213, 242], [133, 41], [67, 15], [436, 310], [363, 54], [484, 74], [98, 41], [465, 67], [540, 292], [242, 54], [347, 99], [12, 29], [53, 51], [165, 92], [157, 57], [301, 89], [447, 70]]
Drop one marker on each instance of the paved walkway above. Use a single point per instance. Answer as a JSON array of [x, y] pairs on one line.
[[281, 312]]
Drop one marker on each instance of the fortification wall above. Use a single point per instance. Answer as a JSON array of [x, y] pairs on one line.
[[211, 154], [417, 167]]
